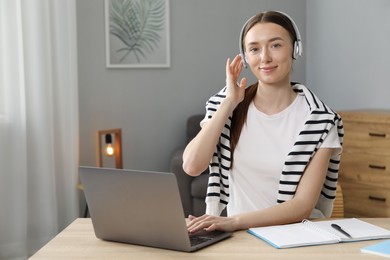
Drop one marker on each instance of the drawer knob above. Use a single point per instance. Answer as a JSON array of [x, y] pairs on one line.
[[377, 198], [382, 135], [377, 167]]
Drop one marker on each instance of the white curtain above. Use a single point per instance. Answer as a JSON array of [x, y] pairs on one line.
[[38, 123]]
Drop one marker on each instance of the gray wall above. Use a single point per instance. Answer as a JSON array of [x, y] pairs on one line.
[[151, 105], [347, 52]]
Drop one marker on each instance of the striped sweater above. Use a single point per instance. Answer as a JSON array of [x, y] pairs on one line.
[[310, 138]]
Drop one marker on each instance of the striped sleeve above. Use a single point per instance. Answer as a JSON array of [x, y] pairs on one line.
[[218, 184], [316, 128]]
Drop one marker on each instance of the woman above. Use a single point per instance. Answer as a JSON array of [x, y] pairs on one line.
[[273, 148]]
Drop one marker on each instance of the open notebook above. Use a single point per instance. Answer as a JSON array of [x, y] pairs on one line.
[[309, 233]]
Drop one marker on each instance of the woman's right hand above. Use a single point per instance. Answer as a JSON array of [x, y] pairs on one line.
[[235, 92]]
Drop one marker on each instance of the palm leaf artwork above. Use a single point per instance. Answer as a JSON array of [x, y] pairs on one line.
[[138, 25]]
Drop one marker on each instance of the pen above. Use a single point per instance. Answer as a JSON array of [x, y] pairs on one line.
[[338, 228]]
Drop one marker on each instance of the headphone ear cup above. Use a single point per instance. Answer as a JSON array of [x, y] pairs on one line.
[[296, 50], [244, 60]]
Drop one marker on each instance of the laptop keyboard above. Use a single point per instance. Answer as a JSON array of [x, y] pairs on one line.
[[196, 240]]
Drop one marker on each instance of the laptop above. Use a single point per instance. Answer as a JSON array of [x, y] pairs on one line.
[[142, 208]]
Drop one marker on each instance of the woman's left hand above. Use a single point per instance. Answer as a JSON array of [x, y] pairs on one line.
[[210, 223]]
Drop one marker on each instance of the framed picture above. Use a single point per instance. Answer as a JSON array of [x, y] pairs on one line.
[[137, 33]]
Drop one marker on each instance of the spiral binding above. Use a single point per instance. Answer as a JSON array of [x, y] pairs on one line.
[[311, 225]]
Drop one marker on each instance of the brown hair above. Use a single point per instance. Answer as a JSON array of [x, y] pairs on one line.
[[239, 117], [241, 111]]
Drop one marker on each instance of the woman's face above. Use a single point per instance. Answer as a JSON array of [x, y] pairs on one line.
[[268, 48]]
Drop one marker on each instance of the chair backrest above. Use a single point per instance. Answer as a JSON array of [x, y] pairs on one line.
[[193, 126], [338, 205]]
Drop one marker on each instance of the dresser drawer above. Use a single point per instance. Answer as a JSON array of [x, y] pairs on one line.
[[367, 137], [365, 168], [365, 200]]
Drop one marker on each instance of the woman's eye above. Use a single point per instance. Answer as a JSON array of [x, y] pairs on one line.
[[253, 50], [276, 45]]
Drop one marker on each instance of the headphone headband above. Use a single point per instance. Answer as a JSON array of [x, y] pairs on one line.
[[297, 48]]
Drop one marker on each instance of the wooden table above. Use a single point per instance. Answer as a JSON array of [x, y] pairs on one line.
[[78, 241]]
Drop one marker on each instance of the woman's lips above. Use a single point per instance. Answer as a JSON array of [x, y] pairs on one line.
[[268, 69]]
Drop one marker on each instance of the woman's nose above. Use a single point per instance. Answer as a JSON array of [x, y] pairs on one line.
[[265, 55]]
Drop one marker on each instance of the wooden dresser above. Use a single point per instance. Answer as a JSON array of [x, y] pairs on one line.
[[365, 163]]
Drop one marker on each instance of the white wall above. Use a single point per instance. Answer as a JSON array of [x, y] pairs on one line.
[[151, 105], [348, 52]]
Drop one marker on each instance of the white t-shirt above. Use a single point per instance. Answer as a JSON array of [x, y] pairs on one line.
[[260, 153]]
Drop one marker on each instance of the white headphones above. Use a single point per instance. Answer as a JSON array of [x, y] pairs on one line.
[[297, 52]]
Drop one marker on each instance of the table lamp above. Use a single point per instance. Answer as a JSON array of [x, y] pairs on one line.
[[110, 148]]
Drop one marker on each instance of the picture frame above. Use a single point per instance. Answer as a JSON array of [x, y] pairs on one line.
[[137, 33]]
